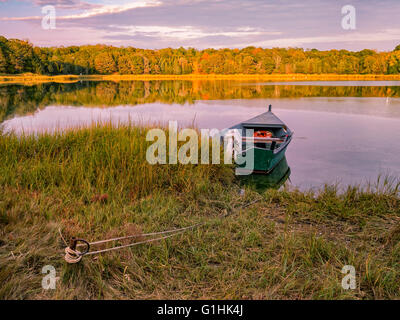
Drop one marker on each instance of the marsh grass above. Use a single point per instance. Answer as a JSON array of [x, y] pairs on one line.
[[290, 244]]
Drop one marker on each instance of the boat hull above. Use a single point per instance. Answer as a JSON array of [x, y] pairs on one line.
[[274, 180], [264, 160]]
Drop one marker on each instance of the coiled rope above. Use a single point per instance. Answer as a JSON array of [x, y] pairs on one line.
[[73, 255]]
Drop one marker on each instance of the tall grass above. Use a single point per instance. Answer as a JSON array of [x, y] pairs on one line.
[[99, 159], [290, 244]]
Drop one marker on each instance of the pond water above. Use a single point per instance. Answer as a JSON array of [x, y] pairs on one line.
[[345, 132]]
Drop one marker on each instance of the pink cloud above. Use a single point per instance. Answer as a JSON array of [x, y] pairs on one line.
[[67, 4]]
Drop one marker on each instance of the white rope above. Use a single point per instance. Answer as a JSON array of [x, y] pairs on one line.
[[141, 235], [133, 244], [74, 256]]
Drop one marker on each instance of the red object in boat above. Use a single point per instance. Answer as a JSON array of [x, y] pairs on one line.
[[263, 134]]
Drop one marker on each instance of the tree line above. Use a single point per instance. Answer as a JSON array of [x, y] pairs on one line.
[[20, 56], [21, 100]]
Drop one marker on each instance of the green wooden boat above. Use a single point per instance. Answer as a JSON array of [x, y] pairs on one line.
[[270, 140]]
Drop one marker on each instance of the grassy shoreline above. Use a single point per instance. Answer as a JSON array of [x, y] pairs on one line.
[[289, 245], [34, 78]]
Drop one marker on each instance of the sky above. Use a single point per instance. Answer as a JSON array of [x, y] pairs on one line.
[[155, 24]]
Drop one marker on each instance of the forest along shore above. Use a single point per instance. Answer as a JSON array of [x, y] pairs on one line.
[[20, 56]]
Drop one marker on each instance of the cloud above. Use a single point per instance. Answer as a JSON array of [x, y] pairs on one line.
[[66, 4], [187, 32], [113, 9], [207, 23], [384, 35], [89, 10]]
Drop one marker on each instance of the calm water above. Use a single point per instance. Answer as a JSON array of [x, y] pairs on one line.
[[345, 132]]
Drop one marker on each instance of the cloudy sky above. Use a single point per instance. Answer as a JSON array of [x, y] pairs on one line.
[[205, 23]]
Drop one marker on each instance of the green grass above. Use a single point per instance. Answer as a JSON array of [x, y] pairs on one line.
[[289, 245]]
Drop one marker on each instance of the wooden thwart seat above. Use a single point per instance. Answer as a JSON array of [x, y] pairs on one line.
[[263, 140]]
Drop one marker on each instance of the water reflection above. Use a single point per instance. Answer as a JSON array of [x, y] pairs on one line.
[[218, 114], [199, 114], [22, 100], [273, 180]]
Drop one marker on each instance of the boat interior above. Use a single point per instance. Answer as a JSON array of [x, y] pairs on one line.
[[269, 138], [269, 131]]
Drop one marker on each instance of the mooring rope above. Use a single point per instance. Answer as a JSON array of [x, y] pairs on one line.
[[142, 235], [72, 255]]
